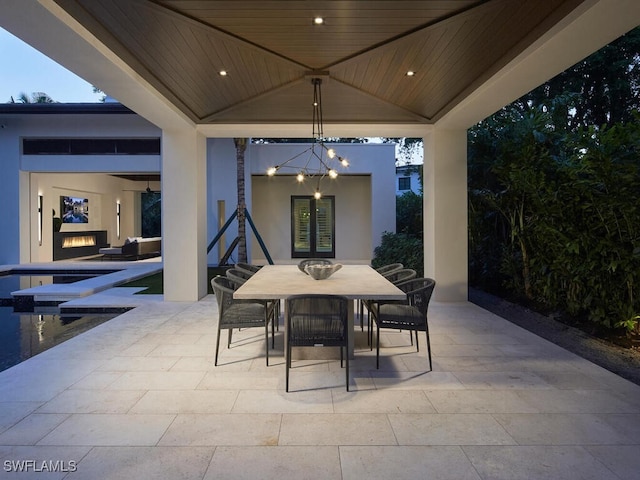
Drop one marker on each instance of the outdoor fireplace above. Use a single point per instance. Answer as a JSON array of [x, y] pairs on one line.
[[78, 244], [79, 241]]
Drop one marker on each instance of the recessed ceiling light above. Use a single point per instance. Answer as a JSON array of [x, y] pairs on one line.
[[318, 21], [223, 73], [410, 73]]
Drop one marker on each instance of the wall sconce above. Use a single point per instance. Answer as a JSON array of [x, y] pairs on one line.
[[40, 205], [118, 220]]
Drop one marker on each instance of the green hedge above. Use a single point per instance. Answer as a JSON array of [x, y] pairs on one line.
[[400, 248], [554, 216]]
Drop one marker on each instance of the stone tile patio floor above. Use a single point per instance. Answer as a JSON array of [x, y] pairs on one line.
[[138, 397]]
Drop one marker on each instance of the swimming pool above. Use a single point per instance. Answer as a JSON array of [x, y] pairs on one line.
[[13, 282], [24, 332], [23, 335]]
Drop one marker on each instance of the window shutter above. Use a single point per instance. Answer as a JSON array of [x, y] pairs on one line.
[[302, 225], [324, 225]]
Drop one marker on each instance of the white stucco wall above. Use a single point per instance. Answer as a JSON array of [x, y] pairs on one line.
[[26, 177], [91, 126], [365, 197], [10, 200], [272, 216], [415, 182], [365, 193]]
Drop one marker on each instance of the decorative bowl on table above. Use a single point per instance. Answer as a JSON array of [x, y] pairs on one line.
[[322, 272], [313, 261]]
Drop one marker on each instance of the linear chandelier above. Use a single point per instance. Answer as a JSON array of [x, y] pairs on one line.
[[321, 161]]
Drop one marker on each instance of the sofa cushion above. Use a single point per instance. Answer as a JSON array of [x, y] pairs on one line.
[[110, 251], [149, 239], [136, 246]]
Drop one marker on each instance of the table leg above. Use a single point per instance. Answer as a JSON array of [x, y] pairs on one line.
[[286, 329], [350, 332]]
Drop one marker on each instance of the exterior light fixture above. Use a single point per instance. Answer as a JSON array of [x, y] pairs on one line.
[[118, 219], [322, 161], [318, 21], [222, 73], [410, 73], [40, 206]]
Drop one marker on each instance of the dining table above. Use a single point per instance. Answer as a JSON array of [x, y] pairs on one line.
[[355, 282]]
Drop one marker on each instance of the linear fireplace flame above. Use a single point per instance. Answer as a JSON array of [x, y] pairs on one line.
[[79, 241]]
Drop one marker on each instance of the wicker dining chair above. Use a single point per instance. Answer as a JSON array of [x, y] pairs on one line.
[[239, 276], [247, 267], [234, 313], [410, 315], [383, 270], [396, 276], [390, 267], [316, 320], [402, 275]]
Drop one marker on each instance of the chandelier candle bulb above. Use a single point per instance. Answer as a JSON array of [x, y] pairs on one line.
[[318, 152]]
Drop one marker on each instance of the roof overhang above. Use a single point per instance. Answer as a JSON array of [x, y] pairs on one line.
[[162, 58]]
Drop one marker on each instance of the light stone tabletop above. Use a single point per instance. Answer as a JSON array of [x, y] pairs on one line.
[[352, 281]]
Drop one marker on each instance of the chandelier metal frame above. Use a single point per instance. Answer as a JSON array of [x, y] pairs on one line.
[[328, 160]]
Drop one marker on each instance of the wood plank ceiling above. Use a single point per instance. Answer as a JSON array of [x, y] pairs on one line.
[[271, 49]]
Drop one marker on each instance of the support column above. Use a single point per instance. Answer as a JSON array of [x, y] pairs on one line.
[[445, 213], [184, 214]]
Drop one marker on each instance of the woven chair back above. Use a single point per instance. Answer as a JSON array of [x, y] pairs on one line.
[[316, 320]]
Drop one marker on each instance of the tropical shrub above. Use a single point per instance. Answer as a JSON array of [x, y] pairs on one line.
[[553, 217], [409, 219], [400, 248], [405, 246], [554, 181]]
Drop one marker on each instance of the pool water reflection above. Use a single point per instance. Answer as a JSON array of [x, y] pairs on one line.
[[23, 335], [20, 281]]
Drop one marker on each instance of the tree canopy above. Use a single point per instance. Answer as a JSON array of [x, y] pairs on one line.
[[601, 90], [35, 97], [553, 185]]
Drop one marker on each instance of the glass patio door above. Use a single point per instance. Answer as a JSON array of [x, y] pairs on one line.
[[312, 227]]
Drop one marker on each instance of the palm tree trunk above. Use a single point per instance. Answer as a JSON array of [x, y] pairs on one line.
[[241, 146]]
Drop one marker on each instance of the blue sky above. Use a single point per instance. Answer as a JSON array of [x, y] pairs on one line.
[[24, 69]]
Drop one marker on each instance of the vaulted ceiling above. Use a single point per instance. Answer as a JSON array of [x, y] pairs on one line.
[[271, 49]]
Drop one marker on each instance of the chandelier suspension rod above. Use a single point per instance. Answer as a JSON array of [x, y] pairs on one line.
[[317, 109], [318, 149]]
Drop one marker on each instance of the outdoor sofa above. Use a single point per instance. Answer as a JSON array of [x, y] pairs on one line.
[[135, 248]]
